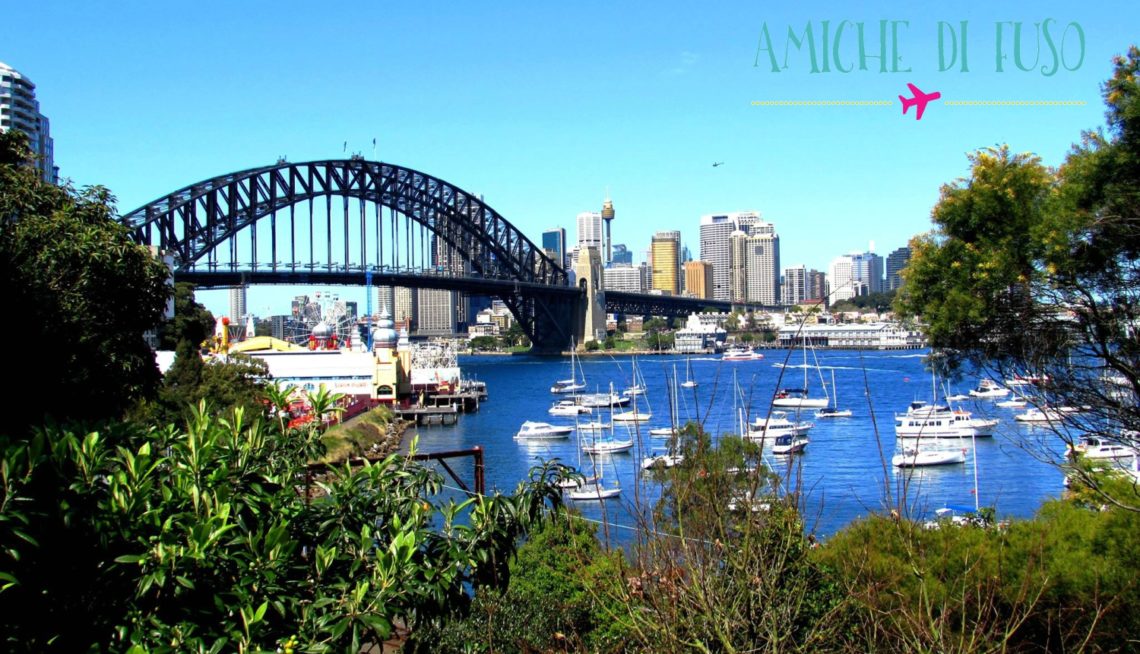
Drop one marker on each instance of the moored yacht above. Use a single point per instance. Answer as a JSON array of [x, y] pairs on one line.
[[738, 352], [542, 430], [568, 408], [988, 388], [776, 425], [914, 457], [1094, 447]]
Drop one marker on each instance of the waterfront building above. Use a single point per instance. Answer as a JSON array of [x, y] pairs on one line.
[[665, 257], [860, 336], [762, 265], [590, 233], [716, 232], [699, 279], [698, 335], [554, 243], [19, 110], [896, 261]]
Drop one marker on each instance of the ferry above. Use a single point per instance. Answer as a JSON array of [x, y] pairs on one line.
[[740, 353]]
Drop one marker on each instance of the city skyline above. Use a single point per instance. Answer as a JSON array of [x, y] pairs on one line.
[[679, 93]]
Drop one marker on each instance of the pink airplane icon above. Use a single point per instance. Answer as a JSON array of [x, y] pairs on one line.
[[919, 99]]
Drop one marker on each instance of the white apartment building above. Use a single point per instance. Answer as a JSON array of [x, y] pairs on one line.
[[19, 110]]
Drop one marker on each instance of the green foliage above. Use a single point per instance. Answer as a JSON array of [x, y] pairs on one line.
[[592, 346], [610, 343], [236, 381], [484, 343], [192, 322], [202, 538], [86, 294]]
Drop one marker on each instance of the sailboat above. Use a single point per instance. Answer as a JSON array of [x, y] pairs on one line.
[[798, 397], [833, 411], [571, 483], [608, 445], [638, 387], [571, 385], [633, 415], [593, 489], [689, 381]]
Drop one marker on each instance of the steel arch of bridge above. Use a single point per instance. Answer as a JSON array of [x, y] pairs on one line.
[[192, 223]]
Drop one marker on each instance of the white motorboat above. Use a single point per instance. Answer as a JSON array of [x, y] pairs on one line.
[[662, 461], [594, 491], [957, 398], [1011, 404], [775, 426], [1094, 447], [789, 444], [662, 432], [923, 421], [594, 425], [568, 408], [739, 352], [601, 400], [608, 446], [988, 388], [634, 390], [1045, 414], [914, 457], [542, 430]]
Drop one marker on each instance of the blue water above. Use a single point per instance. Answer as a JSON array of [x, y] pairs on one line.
[[842, 473]]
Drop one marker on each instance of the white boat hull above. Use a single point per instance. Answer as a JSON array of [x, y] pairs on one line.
[[801, 403], [919, 458], [608, 447], [631, 417], [594, 492], [662, 461]]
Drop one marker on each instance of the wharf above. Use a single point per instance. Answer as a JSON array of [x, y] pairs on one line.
[[429, 415]]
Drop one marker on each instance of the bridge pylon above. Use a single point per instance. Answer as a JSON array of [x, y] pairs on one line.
[[590, 318]]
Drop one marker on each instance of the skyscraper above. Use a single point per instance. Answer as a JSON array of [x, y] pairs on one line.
[[622, 255], [738, 267], [716, 230], [237, 303], [554, 240], [762, 264], [699, 279], [867, 268], [19, 110], [590, 230], [817, 286], [665, 257], [795, 287], [896, 261], [841, 280]]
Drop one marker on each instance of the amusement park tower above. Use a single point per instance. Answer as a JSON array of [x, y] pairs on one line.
[[608, 217]]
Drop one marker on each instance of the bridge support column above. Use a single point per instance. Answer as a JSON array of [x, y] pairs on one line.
[[591, 318]]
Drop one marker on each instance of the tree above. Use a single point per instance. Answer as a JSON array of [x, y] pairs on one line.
[[86, 295], [483, 343], [1036, 271]]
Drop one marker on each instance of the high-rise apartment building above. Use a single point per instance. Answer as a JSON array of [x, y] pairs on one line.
[[665, 257], [554, 240], [794, 290], [699, 279], [841, 279], [237, 303], [19, 110], [590, 232], [623, 278], [716, 231], [762, 265], [817, 286], [440, 312], [896, 261]]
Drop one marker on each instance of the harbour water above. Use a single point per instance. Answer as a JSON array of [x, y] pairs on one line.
[[843, 474]]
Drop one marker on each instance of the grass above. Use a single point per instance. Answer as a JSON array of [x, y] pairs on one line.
[[355, 437]]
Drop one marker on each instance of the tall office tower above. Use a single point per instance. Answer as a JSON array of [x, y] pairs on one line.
[[665, 257], [406, 306], [554, 240], [590, 230], [237, 303], [738, 267], [646, 271], [795, 288], [896, 261], [385, 299], [608, 217], [841, 279], [19, 110], [716, 230], [440, 312], [699, 279], [623, 278], [762, 264], [622, 255], [867, 269], [816, 286]]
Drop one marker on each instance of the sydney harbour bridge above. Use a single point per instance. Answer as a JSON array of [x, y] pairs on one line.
[[358, 222]]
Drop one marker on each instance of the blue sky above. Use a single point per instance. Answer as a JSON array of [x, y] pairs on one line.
[[542, 106]]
